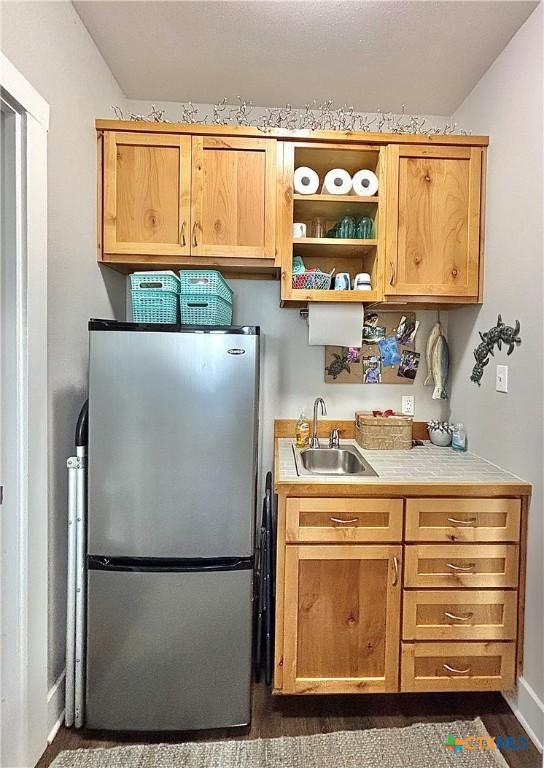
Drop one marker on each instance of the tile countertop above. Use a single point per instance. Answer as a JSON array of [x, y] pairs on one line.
[[422, 465]]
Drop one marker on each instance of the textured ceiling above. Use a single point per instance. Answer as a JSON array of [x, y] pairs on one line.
[[427, 55]]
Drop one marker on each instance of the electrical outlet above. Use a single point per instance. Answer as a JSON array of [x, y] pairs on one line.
[[501, 381], [408, 405]]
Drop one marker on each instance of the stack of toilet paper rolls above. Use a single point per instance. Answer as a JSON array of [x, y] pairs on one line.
[[338, 181]]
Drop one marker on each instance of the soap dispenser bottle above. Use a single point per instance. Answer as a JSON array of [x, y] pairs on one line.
[[302, 437]]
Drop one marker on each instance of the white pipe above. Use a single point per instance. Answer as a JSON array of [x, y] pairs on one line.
[[80, 588], [71, 593]]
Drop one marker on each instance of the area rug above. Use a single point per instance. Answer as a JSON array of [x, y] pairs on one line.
[[425, 745]]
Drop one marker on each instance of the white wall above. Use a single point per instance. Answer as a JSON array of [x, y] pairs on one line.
[[50, 46], [508, 428]]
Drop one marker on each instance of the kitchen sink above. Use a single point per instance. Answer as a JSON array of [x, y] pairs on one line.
[[332, 461]]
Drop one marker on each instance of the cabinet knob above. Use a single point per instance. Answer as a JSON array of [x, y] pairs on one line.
[[454, 272], [427, 177]]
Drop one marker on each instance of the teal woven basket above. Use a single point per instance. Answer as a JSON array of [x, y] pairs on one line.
[[158, 281], [199, 309], [154, 306], [200, 282]]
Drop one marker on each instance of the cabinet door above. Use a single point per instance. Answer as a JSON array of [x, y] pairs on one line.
[[147, 181], [341, 618], [433, 221], [233, 197]]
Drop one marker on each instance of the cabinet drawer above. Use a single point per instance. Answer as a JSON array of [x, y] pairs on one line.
[[452, 520], [350, 520], [457, 666], [463, 614], [461, 565]]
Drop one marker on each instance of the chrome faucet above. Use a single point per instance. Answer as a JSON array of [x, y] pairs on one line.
[[314, 440]]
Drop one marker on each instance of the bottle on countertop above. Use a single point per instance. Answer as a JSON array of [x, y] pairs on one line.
[[302, 431], [459, 438]]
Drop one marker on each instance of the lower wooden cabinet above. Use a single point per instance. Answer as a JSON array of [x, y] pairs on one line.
[[457, 666], [372, 596], [459, 614], [461, 565], [341, 619]]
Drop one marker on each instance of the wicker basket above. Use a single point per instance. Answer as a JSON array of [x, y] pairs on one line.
[[381, 433]]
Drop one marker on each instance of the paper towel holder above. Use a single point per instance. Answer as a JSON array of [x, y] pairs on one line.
[[304, 311]]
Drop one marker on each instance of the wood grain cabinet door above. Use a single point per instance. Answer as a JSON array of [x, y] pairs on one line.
[[341, 618], [147, 183], [233, 197], [433, 221]]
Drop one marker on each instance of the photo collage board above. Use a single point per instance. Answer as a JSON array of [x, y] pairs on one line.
[[387, 354]]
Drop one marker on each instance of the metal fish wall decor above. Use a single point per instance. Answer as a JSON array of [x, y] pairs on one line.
[[495, 337]]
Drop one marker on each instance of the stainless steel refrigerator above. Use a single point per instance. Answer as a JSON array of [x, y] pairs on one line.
[[173, 422]]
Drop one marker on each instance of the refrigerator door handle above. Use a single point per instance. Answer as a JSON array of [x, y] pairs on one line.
[[167, 565]]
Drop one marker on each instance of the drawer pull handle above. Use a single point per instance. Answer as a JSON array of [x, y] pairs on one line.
[[182, 235], [344, 522], [466, 617], [468, 567], [453, 520], [393, 278], [396, 567], [457, 671], [195, 239]]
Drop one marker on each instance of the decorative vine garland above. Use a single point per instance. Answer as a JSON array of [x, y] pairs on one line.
[[314, 117]]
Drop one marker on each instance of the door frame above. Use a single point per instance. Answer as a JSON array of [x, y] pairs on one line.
[[24, 519]]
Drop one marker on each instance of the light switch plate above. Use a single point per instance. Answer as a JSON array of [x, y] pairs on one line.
[[501, 381], [408, 405]]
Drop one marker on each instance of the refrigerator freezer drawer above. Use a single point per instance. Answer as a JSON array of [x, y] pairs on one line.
[[168, 651]]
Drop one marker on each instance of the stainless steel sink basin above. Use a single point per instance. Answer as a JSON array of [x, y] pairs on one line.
[[332, 461]]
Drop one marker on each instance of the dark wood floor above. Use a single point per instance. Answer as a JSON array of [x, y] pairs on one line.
[[300, 715]]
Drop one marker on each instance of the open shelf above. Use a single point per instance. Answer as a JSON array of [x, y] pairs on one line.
[[341, 241], [332, 208], [333, 247], [303, 294], [336, 198]]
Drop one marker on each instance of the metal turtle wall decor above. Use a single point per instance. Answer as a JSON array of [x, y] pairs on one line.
[[495, 337]]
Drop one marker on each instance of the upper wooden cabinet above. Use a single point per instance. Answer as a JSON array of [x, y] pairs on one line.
[[432, 244], [174, 196], [168, 200], [147, 181], [233, 197]]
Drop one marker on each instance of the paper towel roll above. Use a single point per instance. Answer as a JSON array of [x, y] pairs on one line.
[[340, 325], [364, 184], [336, 182], [305, 181]]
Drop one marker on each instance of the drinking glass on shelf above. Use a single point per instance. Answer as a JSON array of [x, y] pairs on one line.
[[364, 228], [318, 227], [347, 228]]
